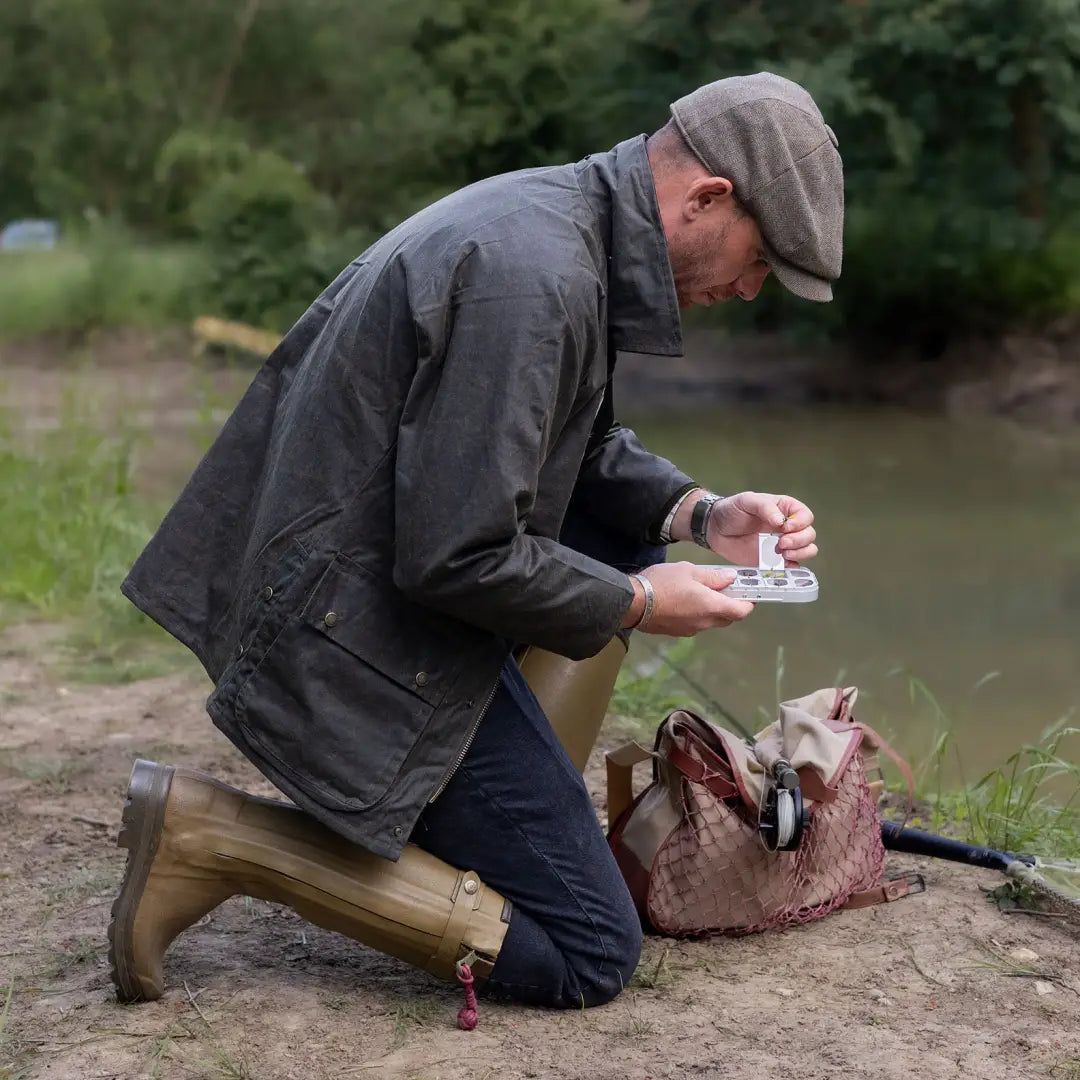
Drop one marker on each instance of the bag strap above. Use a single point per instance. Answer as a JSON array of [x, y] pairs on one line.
[[708, 775], [891, 889], [620, 777], [905, 769]]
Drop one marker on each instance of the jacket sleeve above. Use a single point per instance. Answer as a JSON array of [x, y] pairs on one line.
[[622, 484], [473, 437]]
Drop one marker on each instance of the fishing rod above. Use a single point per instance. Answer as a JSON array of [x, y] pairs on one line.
[[782, 816], [1055, 882], [733, 720]]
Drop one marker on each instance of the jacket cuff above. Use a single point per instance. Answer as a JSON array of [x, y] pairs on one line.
[[655, 534]]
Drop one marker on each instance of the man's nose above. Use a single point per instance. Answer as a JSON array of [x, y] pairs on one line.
[[749, 285]]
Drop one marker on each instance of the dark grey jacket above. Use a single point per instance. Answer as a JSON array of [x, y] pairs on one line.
[[376, 523]]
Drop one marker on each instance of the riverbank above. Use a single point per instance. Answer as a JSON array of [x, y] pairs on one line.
[[1033, 378]]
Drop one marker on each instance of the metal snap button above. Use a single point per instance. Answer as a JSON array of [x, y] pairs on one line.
[[397, 830], [421, 678], [470, 887], [267, 593], [330, 618]]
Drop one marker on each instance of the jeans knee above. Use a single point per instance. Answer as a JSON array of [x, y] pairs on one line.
[[623, 951]]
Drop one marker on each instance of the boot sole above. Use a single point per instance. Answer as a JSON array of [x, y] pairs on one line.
[[140, 834]]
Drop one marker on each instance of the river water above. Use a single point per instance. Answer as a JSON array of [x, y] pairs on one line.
[[950, 561]]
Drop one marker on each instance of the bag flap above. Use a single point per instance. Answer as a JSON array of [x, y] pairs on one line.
[[814, 733]]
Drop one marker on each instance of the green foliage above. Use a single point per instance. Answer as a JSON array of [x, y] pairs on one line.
[[649, 688], [263, 228], [191, 161], [1012, 807], [959, 123], [73, 525], [1029, 804], [295, 131]]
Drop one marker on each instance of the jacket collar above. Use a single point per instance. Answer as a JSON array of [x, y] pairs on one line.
[[643, 310]]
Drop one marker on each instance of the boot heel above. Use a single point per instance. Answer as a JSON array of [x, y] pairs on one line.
[[140, 833]]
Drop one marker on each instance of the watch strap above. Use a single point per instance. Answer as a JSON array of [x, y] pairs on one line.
[[699, 519]]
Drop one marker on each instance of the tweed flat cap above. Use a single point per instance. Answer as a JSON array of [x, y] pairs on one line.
[[765, 134]]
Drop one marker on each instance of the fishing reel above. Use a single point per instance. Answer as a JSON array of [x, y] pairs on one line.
[[783, 818]]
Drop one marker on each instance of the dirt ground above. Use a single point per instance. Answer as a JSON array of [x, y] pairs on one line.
[[922, 987]]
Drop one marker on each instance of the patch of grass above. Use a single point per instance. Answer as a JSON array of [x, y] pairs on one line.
[[72, 521], [1028, 804], [54, 774], [103, 279], [73, 526], [85, 882], [1066, 1070], [647, 689], [58, 962], [653, 975], [417, 1013], [637, 1027], [104, 655], [230, 1066], [1011, 808]]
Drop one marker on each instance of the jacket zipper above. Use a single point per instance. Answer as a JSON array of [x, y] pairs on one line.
[[465, 746]]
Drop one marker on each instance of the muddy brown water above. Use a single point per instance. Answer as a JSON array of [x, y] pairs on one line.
[[950, 555], [950, 552]]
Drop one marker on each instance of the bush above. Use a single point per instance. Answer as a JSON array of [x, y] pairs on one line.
[[269, 238], [926, 271], [190, 162]]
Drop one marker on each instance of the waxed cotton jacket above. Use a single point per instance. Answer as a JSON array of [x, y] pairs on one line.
[[376, 524]]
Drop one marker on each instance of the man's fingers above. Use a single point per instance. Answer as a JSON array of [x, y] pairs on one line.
[[796, 541], [723, 610], [763, 506], [799, 515], [781, 513], [729, 610], [794, 558], [715, 577]]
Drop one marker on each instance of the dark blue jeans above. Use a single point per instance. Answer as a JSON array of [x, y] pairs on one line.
[[518, 814]]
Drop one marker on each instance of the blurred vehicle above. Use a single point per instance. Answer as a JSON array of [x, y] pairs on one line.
[[29, 235]]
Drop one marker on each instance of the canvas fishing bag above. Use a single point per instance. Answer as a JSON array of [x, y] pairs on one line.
[[690, 846]]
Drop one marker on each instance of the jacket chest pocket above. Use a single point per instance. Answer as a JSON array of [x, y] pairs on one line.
[[347, 688]]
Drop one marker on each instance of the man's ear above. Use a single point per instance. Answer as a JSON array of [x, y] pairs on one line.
[[707, 193]]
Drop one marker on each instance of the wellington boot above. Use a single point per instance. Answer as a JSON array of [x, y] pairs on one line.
[[193, 842], [574, 694]]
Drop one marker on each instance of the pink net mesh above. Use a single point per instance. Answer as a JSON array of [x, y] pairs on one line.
[[713, 874]]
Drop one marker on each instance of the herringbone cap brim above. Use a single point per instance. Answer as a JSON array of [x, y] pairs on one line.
[[766, 135]]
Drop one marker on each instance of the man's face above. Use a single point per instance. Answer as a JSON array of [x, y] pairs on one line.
[[715, 247]]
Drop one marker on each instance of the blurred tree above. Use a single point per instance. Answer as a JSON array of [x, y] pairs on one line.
[[959, 123]]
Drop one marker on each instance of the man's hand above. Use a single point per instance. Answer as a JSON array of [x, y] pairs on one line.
[[687, 599], [735, 522]]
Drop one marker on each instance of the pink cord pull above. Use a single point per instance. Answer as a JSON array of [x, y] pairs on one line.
[[467, 1018]]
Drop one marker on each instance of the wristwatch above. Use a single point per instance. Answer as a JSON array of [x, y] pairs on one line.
[[699, 519]]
